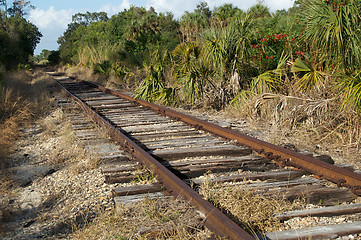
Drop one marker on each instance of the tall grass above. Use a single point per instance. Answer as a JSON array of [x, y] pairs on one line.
[[23, 97], [307, 120], [91, 55]]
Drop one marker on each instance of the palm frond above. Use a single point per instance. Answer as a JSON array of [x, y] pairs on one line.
[[270, 81], [350, 86], [242, 96], [310, 76], [334, 32]]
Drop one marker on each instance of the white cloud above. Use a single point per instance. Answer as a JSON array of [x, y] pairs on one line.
[[111, 9], [51, 18], [52, 23], [279, 4]]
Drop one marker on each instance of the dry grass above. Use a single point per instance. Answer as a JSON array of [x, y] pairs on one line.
[[84, 73], [253, 212], [147, 219], [50, 124], [127, 83], [304, 121], [67, 151], [23, 97]]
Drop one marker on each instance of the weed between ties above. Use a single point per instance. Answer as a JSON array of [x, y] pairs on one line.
[[253, 212]]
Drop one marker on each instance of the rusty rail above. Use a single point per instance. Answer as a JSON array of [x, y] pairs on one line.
[[284, 157], [215, 220]]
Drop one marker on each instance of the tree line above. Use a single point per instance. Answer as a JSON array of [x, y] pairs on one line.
[[18, 37], [224, 55]]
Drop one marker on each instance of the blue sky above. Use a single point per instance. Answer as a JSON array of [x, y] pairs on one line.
[[53, 16]]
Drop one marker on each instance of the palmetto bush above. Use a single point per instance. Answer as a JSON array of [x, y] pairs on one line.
[[333, 28], [153, 84], [333, 31], [153, 88], [351, 87], [192, 72]]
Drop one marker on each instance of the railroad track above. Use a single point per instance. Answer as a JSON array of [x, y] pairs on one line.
[[179, 149]]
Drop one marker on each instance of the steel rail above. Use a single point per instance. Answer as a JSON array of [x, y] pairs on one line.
[[282, 156], [215, 220]]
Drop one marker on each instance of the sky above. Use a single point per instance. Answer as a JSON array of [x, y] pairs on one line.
[[53, 16]]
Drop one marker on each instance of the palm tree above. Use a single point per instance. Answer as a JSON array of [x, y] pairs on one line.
[[223, 14], [259, 11], [227, 50], [191, 24], [334, 31], [191, 71]]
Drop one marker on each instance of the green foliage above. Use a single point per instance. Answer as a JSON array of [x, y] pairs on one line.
[[153, 84], [222, 15], [192, 24], [18, 39], [134, 33], [77, 35], [310, 77], [191, 71], [226, 50], [102, 68], [334, 31], [22, 66], [19, 8], [54, 57], [48, 57], [351, 87], [225, 53], [270, 81], [43, 55], [168, 96], [259, 11]]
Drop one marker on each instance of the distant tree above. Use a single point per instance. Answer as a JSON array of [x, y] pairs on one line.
[[223, 14], [43, 55], [191, 25], [259, 11], [139, 30], [54, 57], [203, 8], [3, 4], [86, 19], [69, 41], [19, 8]]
